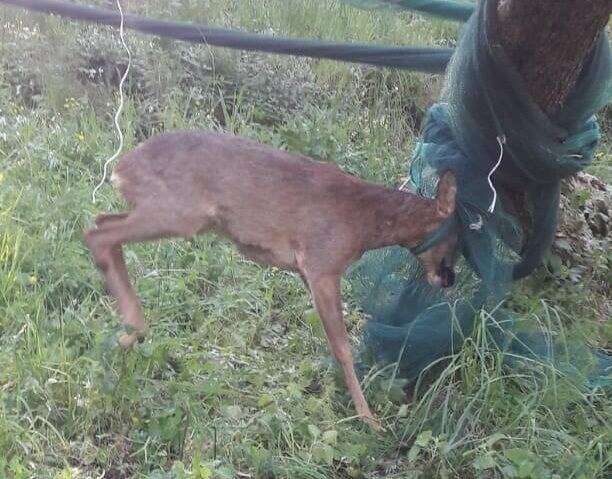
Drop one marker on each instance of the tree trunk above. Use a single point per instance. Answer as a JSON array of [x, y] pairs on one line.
[[548, 41]]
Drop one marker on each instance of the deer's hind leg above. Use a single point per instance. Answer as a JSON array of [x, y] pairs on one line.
[[105, 243]]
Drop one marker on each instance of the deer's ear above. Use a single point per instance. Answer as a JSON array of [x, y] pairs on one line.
[[447, 192]]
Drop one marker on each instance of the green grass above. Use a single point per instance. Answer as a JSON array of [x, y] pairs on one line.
[[234, 379]]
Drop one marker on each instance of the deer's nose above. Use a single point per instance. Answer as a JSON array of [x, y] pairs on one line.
[[447, 277]]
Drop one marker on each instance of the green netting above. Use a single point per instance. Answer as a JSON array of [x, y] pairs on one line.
[[429, 60], [448, 9], [485, 103]]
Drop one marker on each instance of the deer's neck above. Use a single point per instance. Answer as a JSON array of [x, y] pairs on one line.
[[402, 218]]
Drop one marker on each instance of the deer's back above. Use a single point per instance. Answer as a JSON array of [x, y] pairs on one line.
[[228, 168], [249, 185]]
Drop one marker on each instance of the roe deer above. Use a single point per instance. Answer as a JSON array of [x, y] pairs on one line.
[[279, 208]]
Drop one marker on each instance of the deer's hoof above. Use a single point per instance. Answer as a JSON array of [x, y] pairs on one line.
[[126, 341], [374, 423]]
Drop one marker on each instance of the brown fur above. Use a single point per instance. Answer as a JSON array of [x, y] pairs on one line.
[[279, 208]]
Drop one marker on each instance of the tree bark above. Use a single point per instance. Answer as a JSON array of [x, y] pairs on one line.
[[548, 41]]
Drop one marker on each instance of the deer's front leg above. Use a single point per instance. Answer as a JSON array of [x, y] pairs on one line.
[[327, 298]]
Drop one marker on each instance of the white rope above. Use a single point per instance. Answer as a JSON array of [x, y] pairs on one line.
[[500, 140], [404, 184], [119, 110]]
